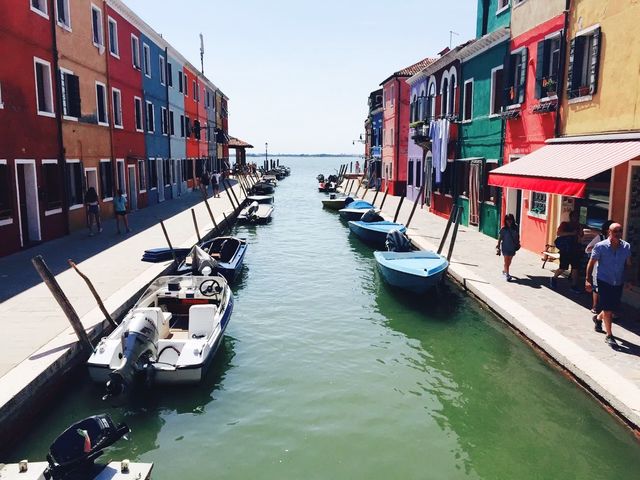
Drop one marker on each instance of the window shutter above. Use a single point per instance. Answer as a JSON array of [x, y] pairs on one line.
[[540, 67], [522, 85], [571, 67], [508, 74], [595, 62], [73, 95]]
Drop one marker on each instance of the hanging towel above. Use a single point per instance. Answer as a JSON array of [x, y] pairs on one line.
[[434, 134], [444, 137]]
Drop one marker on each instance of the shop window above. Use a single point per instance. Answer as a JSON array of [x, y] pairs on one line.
[[51, 184], [538, 204], [135, 52], [106, 179], [101, 96], [74, 169], [584, 64], [44, 87], [153, 174], [497, 89], [142, 176], [467, 110], [70, 89], [5, 192], [547, 66], [594, 207]]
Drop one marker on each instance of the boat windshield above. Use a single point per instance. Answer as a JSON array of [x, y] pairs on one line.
[[181, 281]]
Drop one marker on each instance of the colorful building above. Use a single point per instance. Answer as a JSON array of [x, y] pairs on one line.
[[373, 131], [177, 137], [395, 101], [415, 153], [33, 204], [193, 165]]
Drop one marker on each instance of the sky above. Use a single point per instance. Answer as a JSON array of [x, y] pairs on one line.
[[298, 73]]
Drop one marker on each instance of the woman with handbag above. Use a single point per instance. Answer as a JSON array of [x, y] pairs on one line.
[[508, 243]]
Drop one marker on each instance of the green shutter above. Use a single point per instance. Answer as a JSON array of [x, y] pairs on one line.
[[507, 80], [571, 67], [594, 67], [540, 68], [522, 84]]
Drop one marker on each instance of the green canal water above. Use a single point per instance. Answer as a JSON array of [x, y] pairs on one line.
[[325, 373]]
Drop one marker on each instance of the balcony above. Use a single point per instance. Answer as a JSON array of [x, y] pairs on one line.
[[376, 152], [420, 134]]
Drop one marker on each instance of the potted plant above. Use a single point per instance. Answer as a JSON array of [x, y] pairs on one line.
[[583, 91], [550, 86]]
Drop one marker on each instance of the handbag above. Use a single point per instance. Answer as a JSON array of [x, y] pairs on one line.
[[516, 244]]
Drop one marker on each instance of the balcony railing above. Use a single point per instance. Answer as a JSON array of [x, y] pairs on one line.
[[376, 151]]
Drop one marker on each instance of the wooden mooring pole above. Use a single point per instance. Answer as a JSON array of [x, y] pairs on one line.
[[454, 209], [94, 292], [195, 225], [384, 197], [455, 233], [415, 204], [51, 282], [395, 217], [213, 220], [226, 189], [228, 185], [166, 236], [350, 183]]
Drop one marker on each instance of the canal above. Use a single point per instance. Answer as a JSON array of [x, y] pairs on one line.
[[327, 374]]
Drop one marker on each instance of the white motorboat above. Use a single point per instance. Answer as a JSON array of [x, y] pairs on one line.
[[256, 213], [169, 336], [260, 198]]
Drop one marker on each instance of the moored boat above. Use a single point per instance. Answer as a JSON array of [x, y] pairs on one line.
[[335, 202], [357, 208], [262, 188], [260, 198], [256, 213], [224, 256], [416, 271], [374, 229]]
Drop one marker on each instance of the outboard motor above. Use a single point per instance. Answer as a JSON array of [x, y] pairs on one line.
[[320, 178], [398, 241], [72, 455], [371, 216], [201, 260], [253, 208], [139, 347], [347, 201]]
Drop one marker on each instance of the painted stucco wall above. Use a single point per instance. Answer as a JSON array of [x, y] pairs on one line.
[[495, 20], [531, 14], [414, 151], [177, 142], [396, 121], [615, 105]]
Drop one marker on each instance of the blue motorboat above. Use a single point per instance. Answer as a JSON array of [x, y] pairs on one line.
[[416, 271], [373, 229], [224, 256], [355, 209]]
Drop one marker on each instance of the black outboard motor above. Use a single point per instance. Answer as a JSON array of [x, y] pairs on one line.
[[347, 201], [371, 216], [72, 455], [320, 178], [398, 241]]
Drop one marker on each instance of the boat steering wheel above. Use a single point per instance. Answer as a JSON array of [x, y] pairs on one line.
[[210, 287]]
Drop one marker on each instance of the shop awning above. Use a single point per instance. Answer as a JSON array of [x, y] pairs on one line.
[[563, 168]]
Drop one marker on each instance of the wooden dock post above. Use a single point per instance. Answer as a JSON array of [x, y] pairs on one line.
[[94, 292], [350, 183], [455, 233], [374, 198], [166, 236], [384, 197], [415, 204], [213, 220], [395, 217], [230, 188], [195, 224], [226, 222], [226, 189], [51, 282], [454, 209]]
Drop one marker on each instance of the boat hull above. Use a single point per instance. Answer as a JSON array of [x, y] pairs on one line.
[[403, 270], [374, 233]]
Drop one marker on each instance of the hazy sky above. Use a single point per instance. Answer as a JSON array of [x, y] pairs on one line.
[[298, 72]]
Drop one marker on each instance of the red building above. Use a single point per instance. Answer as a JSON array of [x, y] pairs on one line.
[[395, 100], [190, 117], [32, 195], [203, 137], [225, 131], [127, 107], [532, 73]]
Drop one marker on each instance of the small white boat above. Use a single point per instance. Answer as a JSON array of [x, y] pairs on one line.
[[337, 202], [169, 336], [357, 208], [255, 213], [260, 198]]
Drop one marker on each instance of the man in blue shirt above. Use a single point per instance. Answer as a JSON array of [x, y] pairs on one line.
[[611, 255]]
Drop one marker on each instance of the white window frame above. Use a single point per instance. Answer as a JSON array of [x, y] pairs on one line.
[[63, 88], [142, 174], [6, 221], [1, 104], [100, 43], [493, 114], [44, 113], [172, 127], [542, 216], [49, 161], [153, 116], [67, 10], [106, 105], [135, 110], [504, 7], [195, 90], [146, 60], [112, 21], [106, 160], [163, 70], [75, 206], [135, 53], [464, 101], [92, 169], [117, 108], [186, 85], [43, 13], [164, 124]]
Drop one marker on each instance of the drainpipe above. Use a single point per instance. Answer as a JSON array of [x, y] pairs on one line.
[[61, 150], [562, 67], [107, 53], [397, 132], [169, 125]]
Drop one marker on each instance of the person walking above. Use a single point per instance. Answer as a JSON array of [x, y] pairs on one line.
[[603, 235], [120, 207], [204, 183], [215, 185], [612, 256], [568, 238], [92, 205], [508, 243]]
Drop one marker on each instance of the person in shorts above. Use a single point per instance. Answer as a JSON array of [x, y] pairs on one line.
[[508, 243], [612, 256], [569, 236], [92, 204], [603, 235], [120, 207]]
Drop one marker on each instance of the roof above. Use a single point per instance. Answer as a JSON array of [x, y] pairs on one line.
[[411, 69], [237, 143], [484, 43], [564, 168], [447, 56]]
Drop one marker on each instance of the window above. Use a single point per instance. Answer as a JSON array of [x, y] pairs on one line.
[[74, 169], [137, 104], [410, 173], [392, 139], [6, 209], [147, 59], [51, 186], [1, 104], [502, 6], [106, 179], [135, 52], [187, 126], [180, 81], [497, 89], [584, 64], [182, 126], [153, 174], [393, 94], [113, 38], [164, 121], [151, 124], [517, 77], [451, 104], [101, 97], [538, 204], [195, 91], [594, 207], [116, 98], [40, 7], [163, 71], [44, 87], [547, 66], [170, 74], [467, 108], [96, 26], [142, 176], [186, 85], [63, 14], [166, 165], [172, 126], [70, 90], [208, 99], [444, 97], [431, 101]]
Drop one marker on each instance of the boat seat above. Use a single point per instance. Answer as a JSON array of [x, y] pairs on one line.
[[160, 318], [201, 320]]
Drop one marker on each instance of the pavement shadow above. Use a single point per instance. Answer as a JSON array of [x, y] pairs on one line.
[[624, 346], [17, 274]]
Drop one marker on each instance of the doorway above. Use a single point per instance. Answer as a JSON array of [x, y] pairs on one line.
[[131, 193], [514, 203], [91, 179], [27, 196], [120, 175]]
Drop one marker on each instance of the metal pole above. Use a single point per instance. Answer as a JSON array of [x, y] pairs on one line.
[[395, 217], [104, 311], [455, 233], [63, 301], [386, 192], [446, 230], [195, 224], [415, 204]]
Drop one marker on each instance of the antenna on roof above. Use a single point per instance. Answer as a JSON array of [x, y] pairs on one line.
[[202, 53], [451, 34]]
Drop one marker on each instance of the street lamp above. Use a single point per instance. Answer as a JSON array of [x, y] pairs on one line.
[[266, 161]]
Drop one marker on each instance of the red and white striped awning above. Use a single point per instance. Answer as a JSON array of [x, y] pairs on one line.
[[563, 168]]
